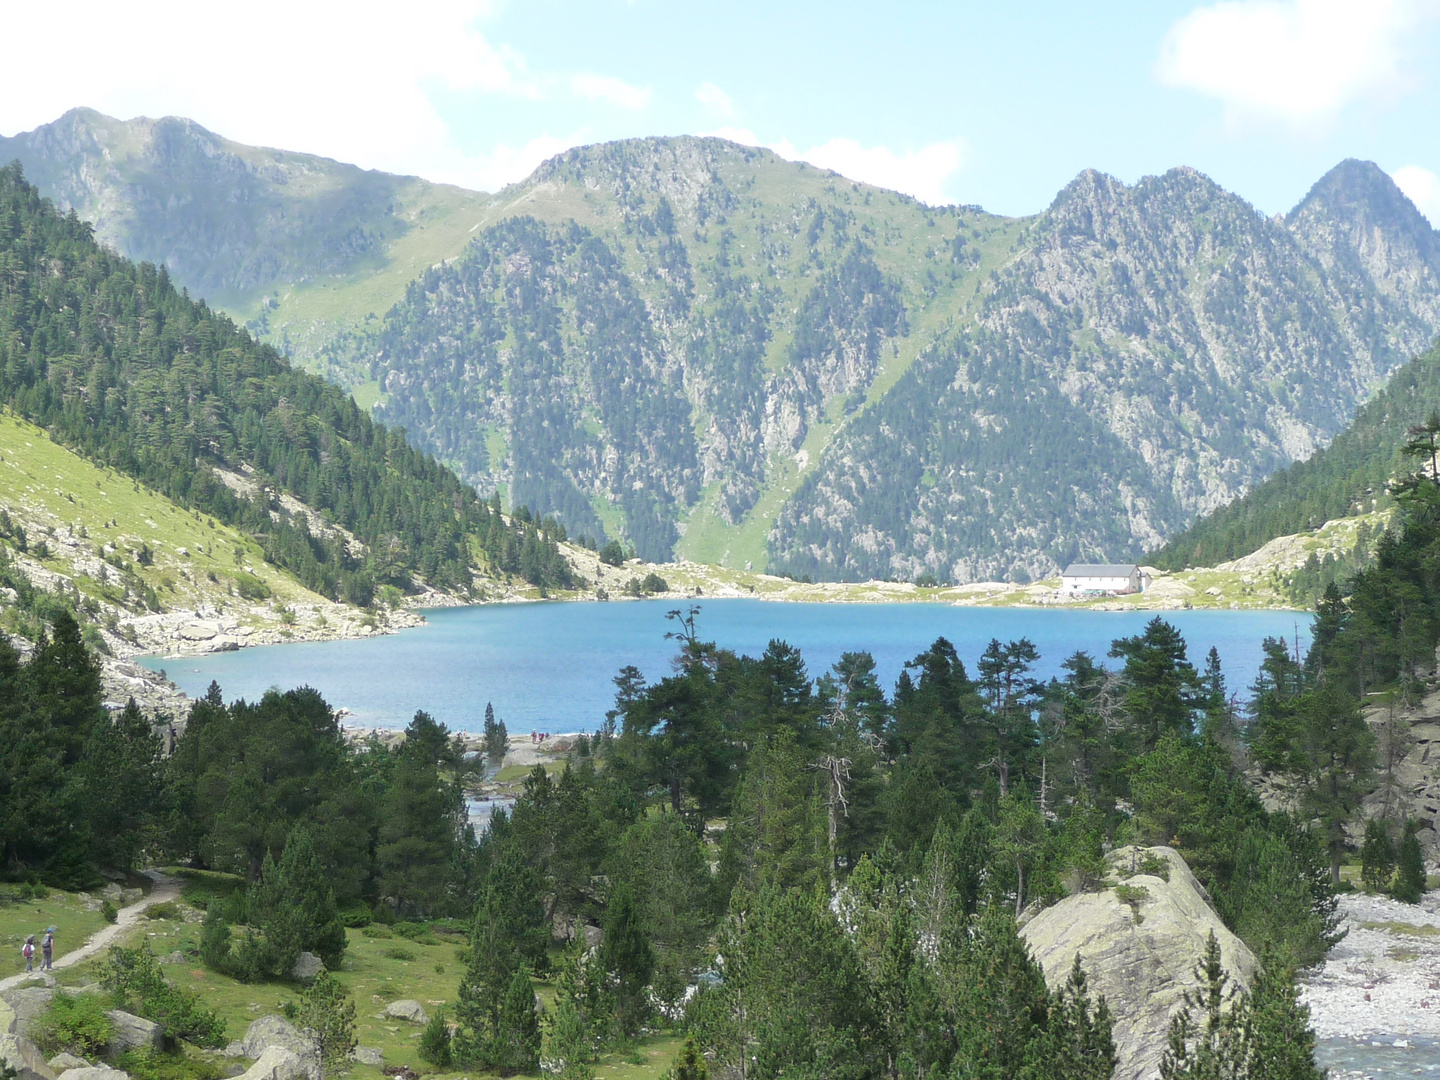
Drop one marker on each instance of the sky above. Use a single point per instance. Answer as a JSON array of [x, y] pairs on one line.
[[961, 102]]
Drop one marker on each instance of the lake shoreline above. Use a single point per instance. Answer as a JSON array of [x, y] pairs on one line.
[[551, 666]]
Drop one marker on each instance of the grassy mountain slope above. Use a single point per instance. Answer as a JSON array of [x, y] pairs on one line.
[[297, 246], [125, 556], [1346, 478]]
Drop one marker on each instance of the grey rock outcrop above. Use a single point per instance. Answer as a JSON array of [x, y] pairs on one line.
[[21, 1007], [1139, 950], [272, 1032], [22, 1055], [276, 1063], [65, 1062], [307, 966], [408, 1010], [132, 1032], [96, 1072], [368, 1055]]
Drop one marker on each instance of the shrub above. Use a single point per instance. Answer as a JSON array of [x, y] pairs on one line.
[[374, 930], [416, 932], [435, 1046], [177, 1065], [398, 952], [1155, 866], [1409, 869], [167, 909], [74, 1022], [654, 583], [327, 1011], [1377, 856], [134, 978], [356, 916], [108, 912], [612, 554], [251, 587]]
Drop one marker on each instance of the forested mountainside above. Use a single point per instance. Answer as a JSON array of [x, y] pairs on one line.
[[268, 235], [1350, 476], [688, 339], [119, 366]]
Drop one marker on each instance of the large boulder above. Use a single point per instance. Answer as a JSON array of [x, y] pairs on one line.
[[270, 1032], [22, 1055], [307, 965], [96, 1072], [132, 1032], [66, 1061], [368, 1055], [276, 1063], [1139, 947], [409, 1010], [7, 1018], [25, 1006]]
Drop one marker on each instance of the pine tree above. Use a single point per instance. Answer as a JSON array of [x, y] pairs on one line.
[[1410, 880], [517, 1033], [627, 956], [327, 1011], [1279, 1043], [418, 828], [1377, 856], [295, 906], [496, 737], [435, 1048], [690, 1064], [1080, 1046]]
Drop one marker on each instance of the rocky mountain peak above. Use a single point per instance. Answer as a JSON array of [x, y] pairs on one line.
[[1357, 218]]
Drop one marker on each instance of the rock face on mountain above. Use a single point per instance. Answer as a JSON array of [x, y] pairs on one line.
[[1191, 346], [1139, 945], [692, 332]]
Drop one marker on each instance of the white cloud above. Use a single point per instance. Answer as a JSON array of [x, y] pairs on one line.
[[715, 99], [921, 173], [509, 164], [1297, 61], [285, 73], [1423, 188], [615, 91]]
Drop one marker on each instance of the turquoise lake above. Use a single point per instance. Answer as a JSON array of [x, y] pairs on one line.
[[549, 666]]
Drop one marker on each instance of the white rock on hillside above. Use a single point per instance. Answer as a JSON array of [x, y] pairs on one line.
[[270, 1032], [132, 1032], [96, 1072], [23, 1056], [1141, 958], [276, 1063], [409, 1010]]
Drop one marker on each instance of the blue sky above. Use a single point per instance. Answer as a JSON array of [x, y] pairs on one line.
[[962, 102]]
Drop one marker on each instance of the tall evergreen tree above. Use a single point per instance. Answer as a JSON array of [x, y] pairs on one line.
[[628, 958]]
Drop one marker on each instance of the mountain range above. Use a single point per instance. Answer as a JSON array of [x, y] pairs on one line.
[[703, 349]]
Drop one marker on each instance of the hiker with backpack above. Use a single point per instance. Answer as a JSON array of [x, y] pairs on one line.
[[28, 951], [47, 948]]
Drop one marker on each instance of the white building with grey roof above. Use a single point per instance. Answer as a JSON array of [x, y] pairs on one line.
[[1102, 578]]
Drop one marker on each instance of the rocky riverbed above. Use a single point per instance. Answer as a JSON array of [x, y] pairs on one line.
[[1383, 979]]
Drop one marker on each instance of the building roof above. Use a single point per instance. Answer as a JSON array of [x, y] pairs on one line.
[[1080, 569]]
